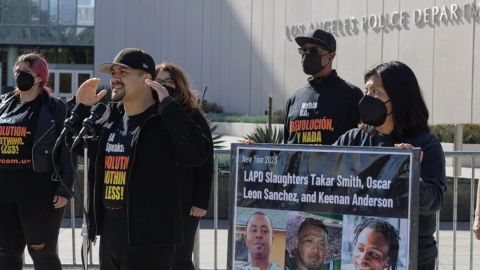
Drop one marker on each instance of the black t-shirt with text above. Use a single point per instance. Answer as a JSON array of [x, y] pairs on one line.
[[18, 121], [322, 111], [118, 159]]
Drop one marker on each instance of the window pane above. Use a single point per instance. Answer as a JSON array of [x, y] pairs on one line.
[[53, 11], [51, 81], [26, 49], [16, 11], [51, 55], [85, 2], [67, 35], [48, 35], [14, 34], [88, 55], [34, 11], [25, 34], [85, 13], [63, 55], [44, 15], [65, 83], [82, 77], [1, 19], [67, 12], [85, 35]]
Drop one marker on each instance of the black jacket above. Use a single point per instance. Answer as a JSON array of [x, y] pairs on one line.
[[196, 182], [167, 140], [50, 124], [432, 181], [321, 111]]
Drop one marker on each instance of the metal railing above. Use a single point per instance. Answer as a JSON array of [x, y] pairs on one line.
[[196, 250], [456, 156]]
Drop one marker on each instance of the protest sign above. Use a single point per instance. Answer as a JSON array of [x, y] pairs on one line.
[[294, 206]]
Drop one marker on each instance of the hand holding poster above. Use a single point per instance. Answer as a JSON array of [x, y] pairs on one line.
[[311, 207]]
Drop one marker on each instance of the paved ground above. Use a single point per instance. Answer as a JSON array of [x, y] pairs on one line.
[[207, 248], [207, 258]]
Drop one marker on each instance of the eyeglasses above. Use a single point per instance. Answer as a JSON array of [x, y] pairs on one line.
[[309, 51], [166, 81]]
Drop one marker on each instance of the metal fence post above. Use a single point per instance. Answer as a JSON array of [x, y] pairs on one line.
[[457, 170], [196, 249], [72, 223], [458, 143], [472, 209], [215, 211]]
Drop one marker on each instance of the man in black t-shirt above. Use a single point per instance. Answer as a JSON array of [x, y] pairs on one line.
[[326, 107], [144, 136]]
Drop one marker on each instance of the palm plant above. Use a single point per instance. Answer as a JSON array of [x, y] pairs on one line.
[[265, 134], [217, 139]]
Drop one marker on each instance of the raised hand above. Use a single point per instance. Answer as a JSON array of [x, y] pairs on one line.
[[87, 92], [161, 91]]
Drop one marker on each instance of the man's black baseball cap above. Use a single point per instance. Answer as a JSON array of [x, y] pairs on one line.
[[131, 58], [322, 38]]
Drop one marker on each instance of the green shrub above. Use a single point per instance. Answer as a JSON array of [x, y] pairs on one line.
[[263, 134], [471, 133], [224, 117], [278, 117], [211, 107], [445, 133], [223, 162]]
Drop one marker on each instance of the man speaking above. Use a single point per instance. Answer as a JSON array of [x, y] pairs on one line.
[[135, 198]]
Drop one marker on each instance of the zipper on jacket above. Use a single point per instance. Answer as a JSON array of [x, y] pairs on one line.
[[130, 173], [35, 144]]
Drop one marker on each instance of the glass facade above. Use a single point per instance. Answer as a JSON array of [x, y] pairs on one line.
[[54, 54], [61, 30], [47, 22]]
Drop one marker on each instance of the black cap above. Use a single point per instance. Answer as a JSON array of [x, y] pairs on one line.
[[321, 38], [131, 58]]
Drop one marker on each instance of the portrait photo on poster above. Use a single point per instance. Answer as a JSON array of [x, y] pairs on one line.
[[259, 242], [374, 243], [313, 241]]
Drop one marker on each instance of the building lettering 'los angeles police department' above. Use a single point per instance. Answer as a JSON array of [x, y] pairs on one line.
[[244, 50]]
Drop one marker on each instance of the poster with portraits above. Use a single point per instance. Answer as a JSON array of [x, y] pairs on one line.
[[323, 207]]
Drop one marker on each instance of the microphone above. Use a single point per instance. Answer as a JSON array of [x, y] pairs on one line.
[[88, 123], [72, 120]]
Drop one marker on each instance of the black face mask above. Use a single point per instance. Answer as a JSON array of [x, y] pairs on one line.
[[24, 80], [373, 111], [312, 64]]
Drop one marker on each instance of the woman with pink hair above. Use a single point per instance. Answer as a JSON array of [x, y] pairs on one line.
[[31, 197]]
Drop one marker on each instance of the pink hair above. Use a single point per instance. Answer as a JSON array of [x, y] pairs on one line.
[[39, 65]]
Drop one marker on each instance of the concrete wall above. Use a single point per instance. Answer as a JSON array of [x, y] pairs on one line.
[[242, 50]]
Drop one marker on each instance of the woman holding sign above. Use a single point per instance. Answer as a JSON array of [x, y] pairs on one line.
[[394, 114]]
